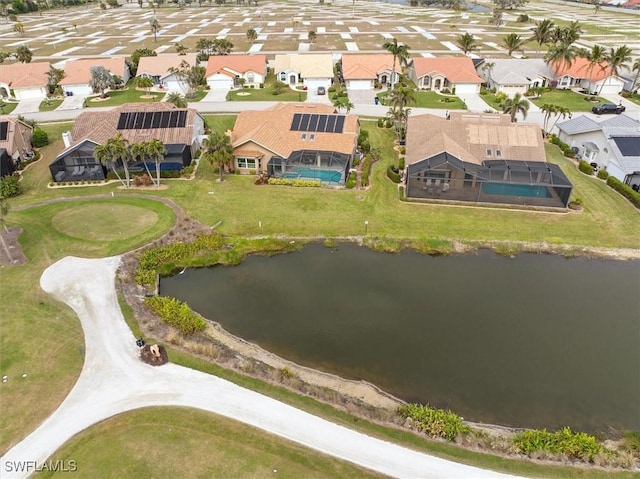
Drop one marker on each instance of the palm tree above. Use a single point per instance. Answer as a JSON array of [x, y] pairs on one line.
[[549, 110], [636, 68], [542, 32], [139, 151], [155, 26], [217, 150], [146, 83], [176, 99], [572, 32], [560, 56], [19, 28], [513, 42], [180, 49], [312, 36], [400, 52], [561, 112], [488, 68], [515, 105], [497, 17], [252, 35], [114, 149], [466, 43], [596, 57], [156, 150], [23, 54], [617, 59]]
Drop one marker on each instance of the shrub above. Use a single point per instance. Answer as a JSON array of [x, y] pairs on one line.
[[483, 91], [403, 151], [625, 190], [578, 445], [39, 138], [142, 180], [176, 313], [401, 163], [393, 175], [523, 18], [10, 186], [351, 180], [186, 171], [585, 167], [366, 169], [603, 174], [380, 122], [292, 182], [434, 422]]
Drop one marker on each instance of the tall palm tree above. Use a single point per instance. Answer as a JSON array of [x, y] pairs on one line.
[[617, 59], [139, 151], [488, 68], [400, 53], [217, 150], [515, 105], [549, 110], [114, 149], [572, 32], [596, 57], [466, 42], [542, 32], [156, 150], [252, 35], [636, 68], [560, 56], [155, 26], [513, 42]]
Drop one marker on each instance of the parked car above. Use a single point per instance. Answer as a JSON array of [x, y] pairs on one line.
[[608, 108], [322, 90]]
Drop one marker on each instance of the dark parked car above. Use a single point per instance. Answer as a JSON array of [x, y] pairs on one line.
[[321, 90], [608, 108]]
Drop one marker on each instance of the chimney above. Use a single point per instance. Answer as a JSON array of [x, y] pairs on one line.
[[66, 139]]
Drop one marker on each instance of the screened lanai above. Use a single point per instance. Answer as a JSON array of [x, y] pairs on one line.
[[326, 166], [445, 177]]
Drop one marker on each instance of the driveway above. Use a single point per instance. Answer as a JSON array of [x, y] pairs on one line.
[[27, 106], [217, 95], [75, 102], [362, 97], [114, 380], [474, 102]]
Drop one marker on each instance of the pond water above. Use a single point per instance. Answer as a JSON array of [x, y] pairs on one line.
[[530, 341]]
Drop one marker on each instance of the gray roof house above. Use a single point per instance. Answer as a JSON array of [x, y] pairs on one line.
[[613, 144], [514, 75]]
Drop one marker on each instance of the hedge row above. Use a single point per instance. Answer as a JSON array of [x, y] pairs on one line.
[[176, 313], [625, 190], [291, 182], [434, 422], [585, 167], [366, 170], [566, 149], [393, 175], [577, 445]]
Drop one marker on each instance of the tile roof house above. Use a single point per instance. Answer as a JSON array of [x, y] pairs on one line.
[[177, 128], [515, 75], [313, 70], [481, 158], [598, 79], [15, 143], [362, 72], [445, 73], [296, 140], [224, 71], [77, 73], [158, 69], [613, 144], [24, 81]]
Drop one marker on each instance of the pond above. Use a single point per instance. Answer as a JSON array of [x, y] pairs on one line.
[[530, 341]]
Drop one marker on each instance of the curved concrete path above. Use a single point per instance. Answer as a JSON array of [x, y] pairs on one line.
[[113, 380]]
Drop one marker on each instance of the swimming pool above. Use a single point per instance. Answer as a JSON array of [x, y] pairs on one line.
[[326, 176], [508, 189]]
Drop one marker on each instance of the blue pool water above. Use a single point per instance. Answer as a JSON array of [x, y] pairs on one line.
[[326, 176], [508, 189]]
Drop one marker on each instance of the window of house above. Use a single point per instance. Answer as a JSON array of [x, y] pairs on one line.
[[250, 77], [303, 136], [312, 137], [488, 152], [498, 154], [242, 162], [283, 77]]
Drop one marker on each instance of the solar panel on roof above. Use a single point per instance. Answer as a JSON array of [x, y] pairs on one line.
[[173, 118], [139, 120], [122, 121], [4, 130], [155, 120], [339, 124], [322, 123], [182, 118], [313, 123], [331, 124], [629, 146], [146, 124], [295, 124], [304, 123]]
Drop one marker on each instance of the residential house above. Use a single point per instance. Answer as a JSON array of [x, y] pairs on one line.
[[613, 144], [455, 74], [178, 128], [313, 70], [514, 75], [159, 69], [366, 72], [296, 140], [481, 158], [597, 79], [24, 81], [225, 71], [77, 73], [15, 144]]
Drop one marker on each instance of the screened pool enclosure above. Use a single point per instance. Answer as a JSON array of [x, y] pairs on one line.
[[325, 166]]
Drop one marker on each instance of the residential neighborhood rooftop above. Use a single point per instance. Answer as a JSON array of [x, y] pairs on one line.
[[455, 69], [79, 71], [359, 66], [159, 65], [234, 64], [24, 75]]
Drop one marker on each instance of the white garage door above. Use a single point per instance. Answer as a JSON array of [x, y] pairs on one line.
[[610, 88], [360, 85], [29, 93], [314, 83], [466, 88], [175, 86], [79, 89], [220, 84]]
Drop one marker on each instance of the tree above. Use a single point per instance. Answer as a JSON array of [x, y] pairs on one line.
[[101, 80], [636, 68], [513, 42], [54, 75], [23, 54], [617, 59], [497, 17], [572, 32], [400, 97], [19, 28], [135, 58], [488, 68], [542, 32], [192, 76], [596, 57], [400, 53], [466, 42], [560, 56], [177, 100], [181, 49], [217, 150], [515, 105], [252, 35], [155, 26], [549, 110], [311, 36], [510, 4], [222, 46], [146, 83], [154, 150], [115, 150]]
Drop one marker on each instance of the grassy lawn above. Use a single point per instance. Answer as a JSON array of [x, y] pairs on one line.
[[431, 99], [269, 93], [50, 105], [568, 99], [199, 95], [7, 107], [490, 99], [635, 98], [128, 95], [201, 444]]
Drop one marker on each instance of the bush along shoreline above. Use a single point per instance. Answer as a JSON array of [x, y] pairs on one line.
[[209, 248]]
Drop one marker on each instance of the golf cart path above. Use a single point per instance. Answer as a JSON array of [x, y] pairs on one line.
[[114, 380]]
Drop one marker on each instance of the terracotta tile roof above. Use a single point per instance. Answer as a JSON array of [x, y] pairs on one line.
[[99, 126], [15, 127], [310, 65], [271, 129], [160, 65], [233, 65], [24, 75], [468, 136], [455, 69], [367, 67], [78, 72], [580, 68]]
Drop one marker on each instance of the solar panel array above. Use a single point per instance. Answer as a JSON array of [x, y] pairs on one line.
[[317, 123], [629, 145], [4, 130], [144, 120]]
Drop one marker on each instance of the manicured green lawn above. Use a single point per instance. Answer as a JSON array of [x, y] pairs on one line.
[[635, 98], [199, 95], [568, 99], [50, 105], [266, 94], [7, 107], [128, 95], [431, 99], [490, 99]]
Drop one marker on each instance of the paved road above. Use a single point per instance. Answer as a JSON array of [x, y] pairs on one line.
[[113, 380]]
